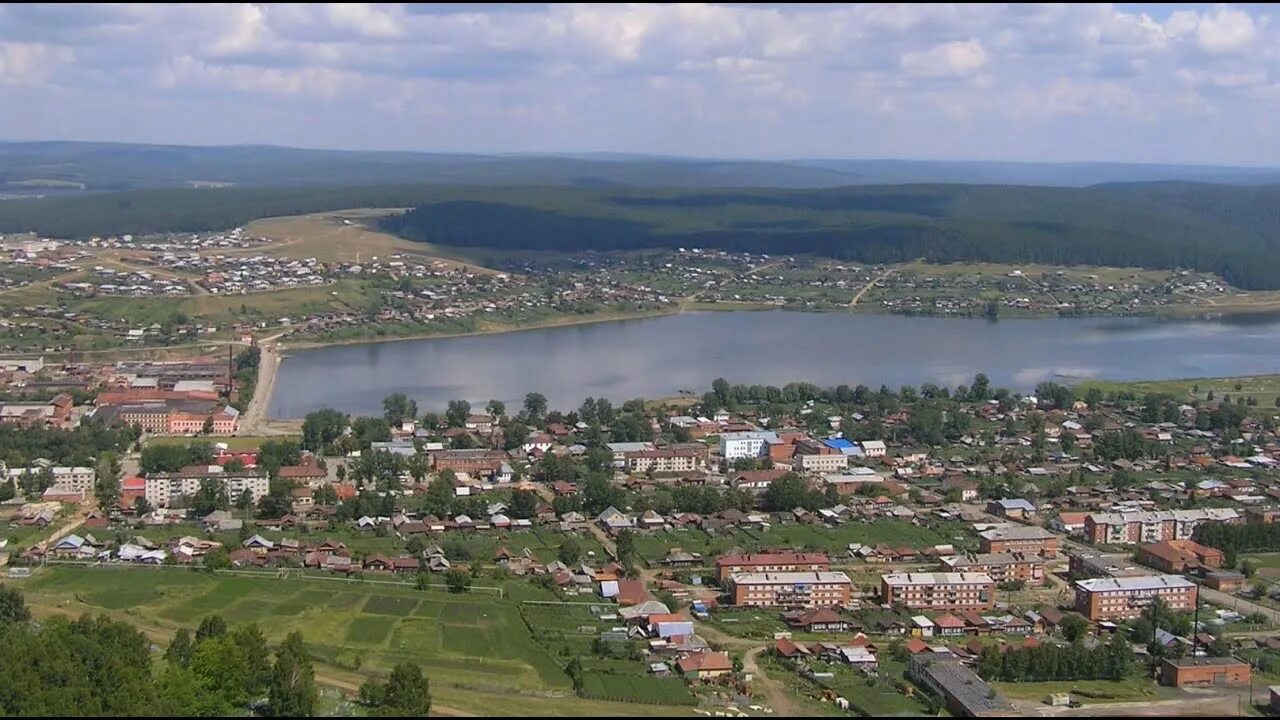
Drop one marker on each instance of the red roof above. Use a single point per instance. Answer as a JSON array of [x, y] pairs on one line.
[[301, 471], [948, 621], [916, 645], [630, 592], [133, 483], [705, 661], [786, 648]]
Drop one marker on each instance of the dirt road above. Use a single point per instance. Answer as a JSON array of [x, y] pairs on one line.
[[871, 284], [775, 696]]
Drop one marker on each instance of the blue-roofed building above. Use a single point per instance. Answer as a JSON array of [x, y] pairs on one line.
[[844, 446]]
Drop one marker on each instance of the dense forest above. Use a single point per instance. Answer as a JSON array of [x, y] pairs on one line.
[[1230, 230], [69, 167], [1227, 230]]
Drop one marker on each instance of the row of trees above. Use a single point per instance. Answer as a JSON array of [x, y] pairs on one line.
[[1233, 539], [1112, 660]]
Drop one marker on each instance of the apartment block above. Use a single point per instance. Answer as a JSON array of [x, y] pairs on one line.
[[781, 562], [1002, 567], [790, 589], [1127, 597], [1020, 538], [1131, 528], [939, 591]]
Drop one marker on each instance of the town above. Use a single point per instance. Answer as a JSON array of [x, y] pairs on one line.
[[151, 291], [751, 549]]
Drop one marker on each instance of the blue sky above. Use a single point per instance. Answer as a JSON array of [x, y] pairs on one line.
[[1125, 83]]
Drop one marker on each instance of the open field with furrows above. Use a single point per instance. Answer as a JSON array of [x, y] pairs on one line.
[[327, 238], [1265, 388], [476, 648]]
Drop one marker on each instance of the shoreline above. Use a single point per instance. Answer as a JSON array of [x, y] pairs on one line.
[[543, 325], [1175, 313]]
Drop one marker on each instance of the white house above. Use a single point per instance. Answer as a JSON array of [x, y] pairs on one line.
[[873, 448]]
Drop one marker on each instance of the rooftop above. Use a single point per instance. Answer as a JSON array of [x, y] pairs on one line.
[[940, 578], [790, 578], [1152, 582]]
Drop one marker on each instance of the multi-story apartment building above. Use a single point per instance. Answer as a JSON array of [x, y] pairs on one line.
[[166, 489], [781, 562], [822, 463], [1019, 538], [65, 479], [1127, 597], [1002, 567], [1130, 528], [939, 591], [175, 417], [751, 444], [666, 460], [1085, 564], [790, 589]]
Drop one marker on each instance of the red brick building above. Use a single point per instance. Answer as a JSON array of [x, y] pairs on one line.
[[1204, 671], [1179, 556], [727, 565]]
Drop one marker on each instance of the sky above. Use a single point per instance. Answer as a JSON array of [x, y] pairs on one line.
[[1125, 83]]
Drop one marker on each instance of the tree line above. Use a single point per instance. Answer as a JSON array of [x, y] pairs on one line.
[[1111, 660], [96, 666], [1165, 226]]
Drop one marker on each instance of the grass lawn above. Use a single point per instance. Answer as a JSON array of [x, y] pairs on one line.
[[1266, 388], [384, 605], [236, 444], [370, 630], [608, 686], [1089, 691], [835, 539]]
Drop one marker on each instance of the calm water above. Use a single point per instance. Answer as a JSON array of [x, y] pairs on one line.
[[658, 357]]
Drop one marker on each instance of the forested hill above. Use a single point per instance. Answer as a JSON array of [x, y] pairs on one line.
[[28, 168], [1232, 231]]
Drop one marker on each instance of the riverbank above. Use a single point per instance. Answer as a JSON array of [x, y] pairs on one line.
[[687, 307], [558, 322]]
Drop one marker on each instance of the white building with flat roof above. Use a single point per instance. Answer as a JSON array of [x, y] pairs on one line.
[[753, 444]]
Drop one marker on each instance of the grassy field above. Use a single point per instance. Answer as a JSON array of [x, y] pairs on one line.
[[477, 649], [236, 444], [835, 539], [1089, 691], [1266, 388], [327, 238]]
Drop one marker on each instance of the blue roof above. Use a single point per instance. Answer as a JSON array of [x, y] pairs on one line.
[[837, 443]]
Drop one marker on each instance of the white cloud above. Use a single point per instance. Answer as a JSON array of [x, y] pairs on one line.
[[30, 63], [953, 59], [1063, 81]]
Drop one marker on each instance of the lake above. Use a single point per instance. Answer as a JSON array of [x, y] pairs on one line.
[[658, 357]]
